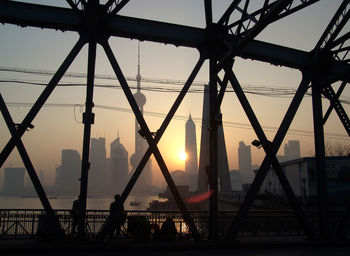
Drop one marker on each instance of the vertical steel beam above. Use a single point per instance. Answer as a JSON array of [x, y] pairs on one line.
[[322, 193], [213, 151], [208, 12], [260, 176], [88, 120], [88, 115], [41, 100], [150, 140], [53, 220]]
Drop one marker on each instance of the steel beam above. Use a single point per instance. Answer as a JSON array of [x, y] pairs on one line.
[[287, 11], [66, 19], [88, 115], [213, 151], [334, 27], [335, 103], [53, 223], [152, 144], [161, 131], [41, 100], [331, 107], [24, 14], [117, 8], [241, 42], [208, 12], [264, 168], [226, 16], [322, 192]]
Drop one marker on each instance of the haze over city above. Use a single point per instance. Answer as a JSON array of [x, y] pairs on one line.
[[58, 125]]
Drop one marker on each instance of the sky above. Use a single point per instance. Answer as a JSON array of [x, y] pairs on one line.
[[58, 128]]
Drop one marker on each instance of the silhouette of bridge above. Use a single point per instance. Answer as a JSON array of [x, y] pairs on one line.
[[232, 36]]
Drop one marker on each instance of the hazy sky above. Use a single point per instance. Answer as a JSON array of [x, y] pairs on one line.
[[58, 128]]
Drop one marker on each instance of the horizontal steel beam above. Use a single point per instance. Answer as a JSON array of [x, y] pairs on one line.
[[24, 14], [34, 15]]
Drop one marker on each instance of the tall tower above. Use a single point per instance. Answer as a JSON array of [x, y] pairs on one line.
[[245, 162], [140, 143], [191, 164], [223, 170]]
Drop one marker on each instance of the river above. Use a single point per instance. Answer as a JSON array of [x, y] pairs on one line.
[[93, 203]]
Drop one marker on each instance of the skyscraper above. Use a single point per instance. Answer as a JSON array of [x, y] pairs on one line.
[[245, 162], [191, 163], [68, 173], [223, 170], [14, 181], [119, 167], [97, 171], [292, 150], [145, 180]]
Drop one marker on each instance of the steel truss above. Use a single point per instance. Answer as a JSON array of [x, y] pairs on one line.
[[219, 43]]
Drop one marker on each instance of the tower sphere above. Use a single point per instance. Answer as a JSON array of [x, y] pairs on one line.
[[140, 99]]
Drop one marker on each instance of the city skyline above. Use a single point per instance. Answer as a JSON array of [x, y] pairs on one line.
[[65, 123]]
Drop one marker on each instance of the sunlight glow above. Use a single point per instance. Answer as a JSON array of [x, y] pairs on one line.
[[183, 155]]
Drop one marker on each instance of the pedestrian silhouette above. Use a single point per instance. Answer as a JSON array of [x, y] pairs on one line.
[[75, 212], [115, 220]]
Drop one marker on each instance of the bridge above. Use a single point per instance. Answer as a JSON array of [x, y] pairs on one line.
[[233, 35]]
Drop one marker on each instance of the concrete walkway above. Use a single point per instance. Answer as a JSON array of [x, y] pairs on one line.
[[246, 247]]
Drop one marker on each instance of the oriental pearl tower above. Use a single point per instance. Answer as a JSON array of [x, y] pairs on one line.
[[144, 183]]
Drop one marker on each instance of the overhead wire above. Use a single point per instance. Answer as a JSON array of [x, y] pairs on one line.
[[197, 87]]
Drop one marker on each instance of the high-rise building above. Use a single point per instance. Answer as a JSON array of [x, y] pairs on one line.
[[223, 169], [191, 163], [68, 173], [97, 171], [145, 180], [245, 162], [14, 181], [118, 167], [292, 150]]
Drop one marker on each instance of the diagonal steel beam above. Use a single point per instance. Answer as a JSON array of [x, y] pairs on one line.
[[118, 6], [243, 18], [287, 11], [334, 27], [223, 86], [337, 95], [270, 15], [271, 151], [335, 103], [54, 223], [226, 16], [153, 147], [42, 99], [161, 131]]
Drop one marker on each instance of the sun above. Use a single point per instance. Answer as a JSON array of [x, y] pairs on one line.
[[183, 155]]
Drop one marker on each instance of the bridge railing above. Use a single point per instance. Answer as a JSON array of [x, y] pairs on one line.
[[25, 224]]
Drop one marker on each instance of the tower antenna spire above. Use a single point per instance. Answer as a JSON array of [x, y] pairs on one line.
[[138, 76]]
